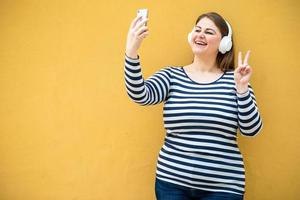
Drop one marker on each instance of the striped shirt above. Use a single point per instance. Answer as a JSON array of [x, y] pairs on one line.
[[201, 120]]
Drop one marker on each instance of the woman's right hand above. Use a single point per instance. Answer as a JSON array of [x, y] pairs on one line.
[[137, 32]]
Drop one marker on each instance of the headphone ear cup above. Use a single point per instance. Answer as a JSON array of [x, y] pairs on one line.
[[225, 44], [189, 38]]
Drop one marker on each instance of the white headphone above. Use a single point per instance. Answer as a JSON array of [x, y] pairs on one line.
[[226, 41]]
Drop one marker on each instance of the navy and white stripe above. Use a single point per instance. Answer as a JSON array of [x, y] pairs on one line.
[[201, 121]]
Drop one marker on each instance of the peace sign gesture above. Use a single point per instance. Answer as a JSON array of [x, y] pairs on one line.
[[242, 73]]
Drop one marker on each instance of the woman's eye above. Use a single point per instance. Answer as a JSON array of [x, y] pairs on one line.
[[210, 33], [197, 31]]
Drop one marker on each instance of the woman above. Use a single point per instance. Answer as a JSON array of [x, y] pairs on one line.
[[205, 103]]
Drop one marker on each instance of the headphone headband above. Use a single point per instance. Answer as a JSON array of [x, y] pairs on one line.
[[229, 29]]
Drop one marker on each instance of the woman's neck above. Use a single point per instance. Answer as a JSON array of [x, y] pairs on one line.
[[205, 64]]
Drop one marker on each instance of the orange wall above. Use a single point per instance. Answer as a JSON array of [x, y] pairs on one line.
[[68, 131]]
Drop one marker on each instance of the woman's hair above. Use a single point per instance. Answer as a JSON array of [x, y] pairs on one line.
[[224, 61]]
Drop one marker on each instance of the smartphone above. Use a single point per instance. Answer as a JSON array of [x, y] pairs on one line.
[[143, 13]]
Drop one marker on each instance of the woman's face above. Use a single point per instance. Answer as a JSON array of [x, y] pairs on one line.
[[205, 38]]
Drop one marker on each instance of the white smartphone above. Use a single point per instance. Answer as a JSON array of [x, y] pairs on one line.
[[144, 13]]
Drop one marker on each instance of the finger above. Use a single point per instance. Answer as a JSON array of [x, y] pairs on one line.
[[134, 21], [140, 23], [243, 71], [248, 69], [141, 30], [240, 59], [241, 68], [144, 34], [246, 58]]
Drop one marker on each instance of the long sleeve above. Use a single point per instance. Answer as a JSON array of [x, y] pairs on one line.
[[249, 120], [146, 92]]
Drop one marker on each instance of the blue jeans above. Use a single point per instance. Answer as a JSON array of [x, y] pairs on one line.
[[169, 191]]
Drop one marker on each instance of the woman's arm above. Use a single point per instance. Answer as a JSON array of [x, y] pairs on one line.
[[249, 120], [146, 92], [155, 89]]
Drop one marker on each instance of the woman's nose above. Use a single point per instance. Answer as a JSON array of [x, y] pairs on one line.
[[201, 34]]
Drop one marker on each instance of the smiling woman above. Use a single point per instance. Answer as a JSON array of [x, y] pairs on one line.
[[211, 29], [205, 103]]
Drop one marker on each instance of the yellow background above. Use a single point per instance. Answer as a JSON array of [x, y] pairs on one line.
[[68, 130]]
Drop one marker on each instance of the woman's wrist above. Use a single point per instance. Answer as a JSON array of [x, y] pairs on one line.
[[131, 54], [242, 89]]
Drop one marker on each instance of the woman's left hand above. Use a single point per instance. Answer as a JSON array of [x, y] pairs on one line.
[[242, 73]]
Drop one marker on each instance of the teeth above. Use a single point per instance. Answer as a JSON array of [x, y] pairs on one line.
[[201, 43]]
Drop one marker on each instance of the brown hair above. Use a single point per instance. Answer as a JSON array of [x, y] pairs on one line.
[[224, 61]]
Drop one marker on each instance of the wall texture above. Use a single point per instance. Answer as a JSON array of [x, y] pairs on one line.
[[68, 131]]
